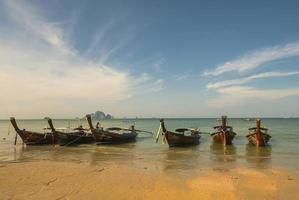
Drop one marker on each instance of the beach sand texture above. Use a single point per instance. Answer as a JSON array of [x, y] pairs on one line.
[[67, 180]]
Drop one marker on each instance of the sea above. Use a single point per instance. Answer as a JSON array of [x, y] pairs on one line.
[[146, 153]]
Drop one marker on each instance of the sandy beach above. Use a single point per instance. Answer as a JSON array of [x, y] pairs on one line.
[[67, 180]]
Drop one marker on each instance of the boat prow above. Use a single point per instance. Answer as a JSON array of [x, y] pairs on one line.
[[258, 135], [224, 134], [33, 138]]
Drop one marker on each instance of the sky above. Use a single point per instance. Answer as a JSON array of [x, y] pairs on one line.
[[138, 58]]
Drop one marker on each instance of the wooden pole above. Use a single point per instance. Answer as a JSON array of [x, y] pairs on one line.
[[224, 130], [258, 132], [53, 139], [16, 137]]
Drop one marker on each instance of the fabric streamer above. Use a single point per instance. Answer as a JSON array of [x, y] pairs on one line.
[[158, 133]]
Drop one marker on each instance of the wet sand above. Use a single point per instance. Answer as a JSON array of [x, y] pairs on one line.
[[67, 180]]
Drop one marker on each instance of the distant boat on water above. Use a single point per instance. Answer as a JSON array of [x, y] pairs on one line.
[[248, 119]]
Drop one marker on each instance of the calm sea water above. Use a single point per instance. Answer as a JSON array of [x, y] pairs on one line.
[[283, 150]]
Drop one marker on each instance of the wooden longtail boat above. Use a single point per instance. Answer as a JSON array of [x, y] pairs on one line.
[[114, 135], [258, 135], [178, 138], [224, 133], [76, 136], [33, 138]]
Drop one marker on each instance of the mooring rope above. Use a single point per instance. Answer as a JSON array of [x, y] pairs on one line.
[[8, 129], [71, 142]]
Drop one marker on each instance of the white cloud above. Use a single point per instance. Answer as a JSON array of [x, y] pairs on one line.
[[41, 72], [241, 81], [234, 96], [255, 59]]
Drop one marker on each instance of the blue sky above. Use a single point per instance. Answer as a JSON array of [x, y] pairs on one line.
[[149, 58]]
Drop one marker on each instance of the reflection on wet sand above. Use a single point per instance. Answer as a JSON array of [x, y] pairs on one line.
[[259, 156], [81, 153], [25, 153], [150, 157], [57, 153], [18, 153], [111, 153], [222, 153], [181, 159]]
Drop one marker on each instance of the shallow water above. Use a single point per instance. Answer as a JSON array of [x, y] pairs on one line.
[[283, 150]]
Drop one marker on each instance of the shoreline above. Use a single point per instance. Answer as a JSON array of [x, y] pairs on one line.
[[153, 118], [69, 180]]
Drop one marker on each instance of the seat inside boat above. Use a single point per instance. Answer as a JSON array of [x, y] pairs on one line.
[[181, 130]]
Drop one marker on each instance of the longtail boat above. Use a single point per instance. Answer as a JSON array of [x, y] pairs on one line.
[[113, 135], [76, 136], [224, 134], [178, 138], [33, 138], [258, 135]]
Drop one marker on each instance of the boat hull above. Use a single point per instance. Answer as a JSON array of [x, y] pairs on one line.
[[34, 138], [219, 138], [65, 139], [180, 140], [107, 137], [252, 139]]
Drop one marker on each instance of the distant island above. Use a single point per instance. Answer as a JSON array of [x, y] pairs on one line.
[[100, 115]]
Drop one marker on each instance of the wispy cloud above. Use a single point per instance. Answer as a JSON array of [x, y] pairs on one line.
[[101, 46], [29, 18], [145, 87], [158, 63], [241, 81], [234, 96], [231, 94], [179, 77], [40, 71], [257, 58], [99, 36], [158, 85]]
